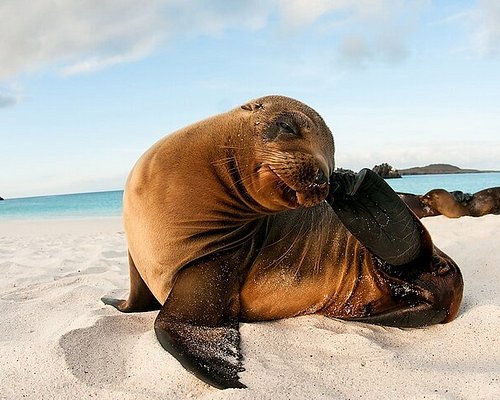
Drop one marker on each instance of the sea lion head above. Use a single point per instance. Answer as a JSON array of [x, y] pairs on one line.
[[293, 154], [443, 201], [434, 197]]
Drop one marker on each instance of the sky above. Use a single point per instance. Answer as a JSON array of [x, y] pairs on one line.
[[87, 86]]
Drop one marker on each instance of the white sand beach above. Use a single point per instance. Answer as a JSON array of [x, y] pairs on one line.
[[58, 341]]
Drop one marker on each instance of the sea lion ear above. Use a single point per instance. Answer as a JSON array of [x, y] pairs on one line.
[[252, 106]]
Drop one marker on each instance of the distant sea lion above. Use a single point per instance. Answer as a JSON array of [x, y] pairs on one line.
[[226, 222], [484, 202], [445, 203], [414, 203]]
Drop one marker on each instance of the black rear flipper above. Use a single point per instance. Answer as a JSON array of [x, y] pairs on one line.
[[407, 317], [375, 215], [212, 354]]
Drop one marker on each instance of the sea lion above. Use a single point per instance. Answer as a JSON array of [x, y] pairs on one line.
[[226, 221], [484, 202], [414, 203], [445, 203]]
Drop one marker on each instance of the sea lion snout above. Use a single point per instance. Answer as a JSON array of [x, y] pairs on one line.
[[299, 178], [309, 179], [320, 178]]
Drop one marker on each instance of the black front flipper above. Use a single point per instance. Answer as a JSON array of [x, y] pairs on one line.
[[212, 354], [198, 323], [375, 215]]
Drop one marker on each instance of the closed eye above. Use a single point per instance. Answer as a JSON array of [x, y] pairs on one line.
[[286, 128]]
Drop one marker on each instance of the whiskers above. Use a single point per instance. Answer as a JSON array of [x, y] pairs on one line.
[[231, 166], [231, 163], [278, 184], [273, 156]]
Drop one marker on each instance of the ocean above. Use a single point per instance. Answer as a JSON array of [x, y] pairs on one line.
[[108, 204], [467, 183], [65, 206]]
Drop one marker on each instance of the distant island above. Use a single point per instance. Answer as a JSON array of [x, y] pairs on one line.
[[438, 169], [387, 171], [1, 198]]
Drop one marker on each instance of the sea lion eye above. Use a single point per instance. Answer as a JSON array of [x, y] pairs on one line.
[[286, 128]]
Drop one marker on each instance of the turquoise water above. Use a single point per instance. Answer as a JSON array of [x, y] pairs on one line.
[[106, 204], [80, 205], [468, 183]]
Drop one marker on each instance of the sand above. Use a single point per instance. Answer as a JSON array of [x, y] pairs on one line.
[[58, 341]]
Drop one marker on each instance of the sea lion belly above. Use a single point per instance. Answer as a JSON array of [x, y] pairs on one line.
[[310, 263]]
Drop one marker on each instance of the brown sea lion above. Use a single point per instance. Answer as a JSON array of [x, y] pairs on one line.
[[414, 203], [226, 222], [484, 202], [445, 203]]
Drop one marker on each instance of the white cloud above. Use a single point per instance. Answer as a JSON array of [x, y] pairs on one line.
[[8, 99], [87, 35], [38, 33], [99, 62], [355, 50], [485, 24], [305, 12], [482, 22], [366, 30]]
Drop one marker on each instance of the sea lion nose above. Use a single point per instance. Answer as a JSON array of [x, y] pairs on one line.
[[320, 178]]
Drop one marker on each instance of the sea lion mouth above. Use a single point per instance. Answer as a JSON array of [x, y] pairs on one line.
[[289, 194], [306, 196]]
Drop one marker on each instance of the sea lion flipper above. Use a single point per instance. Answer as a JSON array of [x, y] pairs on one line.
[[140, 297], [198, 323], [404, 316], [375, 215], [212, 354]]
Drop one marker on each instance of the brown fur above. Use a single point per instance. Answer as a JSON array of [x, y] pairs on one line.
[[484, 202], [445, 203], [207, 187]]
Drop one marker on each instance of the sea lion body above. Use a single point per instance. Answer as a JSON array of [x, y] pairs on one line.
[[310, 263], [458, 204], [484, 202], [226, 220], [445, 203]]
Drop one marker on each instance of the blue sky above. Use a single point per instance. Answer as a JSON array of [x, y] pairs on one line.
[[86, 87]]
